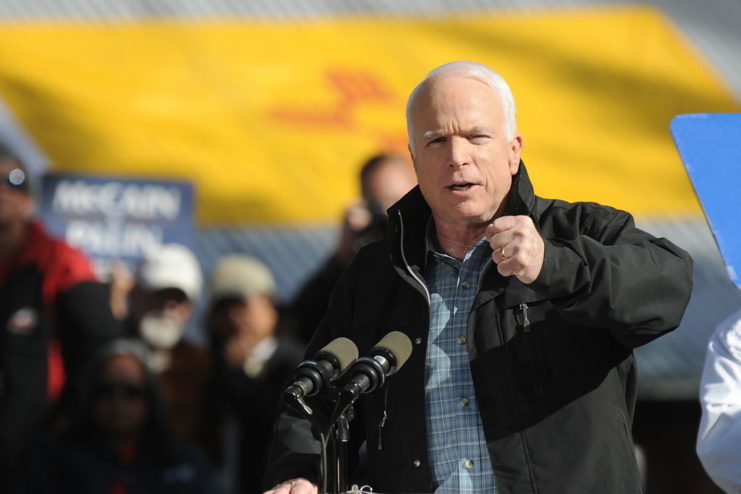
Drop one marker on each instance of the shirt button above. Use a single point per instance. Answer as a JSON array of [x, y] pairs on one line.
[[468, 464], [466, 285], [462, 340], [464, 402], [417, 341], [417, 463]]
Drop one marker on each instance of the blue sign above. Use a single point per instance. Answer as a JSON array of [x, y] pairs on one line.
[[710, 147], [117, 218]]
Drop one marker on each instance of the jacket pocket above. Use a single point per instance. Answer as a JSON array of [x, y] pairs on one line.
[[528, 357]]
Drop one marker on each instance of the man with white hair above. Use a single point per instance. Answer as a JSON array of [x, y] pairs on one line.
[[523, 313]]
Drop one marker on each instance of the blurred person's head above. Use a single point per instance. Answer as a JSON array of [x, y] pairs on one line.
[[121, 406], [168, 283], [385, 178], [242, 291], [120, 401], [16, 201]]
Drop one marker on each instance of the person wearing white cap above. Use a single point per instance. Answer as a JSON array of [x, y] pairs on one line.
[[251, 363], [169, 283]]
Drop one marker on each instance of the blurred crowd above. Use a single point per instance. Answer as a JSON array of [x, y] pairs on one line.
[[102, 391]]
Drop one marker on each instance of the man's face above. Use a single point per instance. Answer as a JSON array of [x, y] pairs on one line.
[[162, 315], [15, 203], [389, 182], [254, 319], [463, 160], [121, 405]]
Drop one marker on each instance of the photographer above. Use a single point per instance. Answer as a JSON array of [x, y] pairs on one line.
[[384, 179]]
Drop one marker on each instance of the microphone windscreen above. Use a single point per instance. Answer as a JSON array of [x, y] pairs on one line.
[[399, 345], [344, 350]]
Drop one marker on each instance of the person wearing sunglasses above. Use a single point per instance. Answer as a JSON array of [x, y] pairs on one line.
[[119, 441], [53, 315]]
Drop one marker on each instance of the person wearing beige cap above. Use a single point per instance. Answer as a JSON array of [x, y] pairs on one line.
[[250, 364]]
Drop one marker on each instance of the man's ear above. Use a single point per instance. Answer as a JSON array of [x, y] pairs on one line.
[[515, 153]]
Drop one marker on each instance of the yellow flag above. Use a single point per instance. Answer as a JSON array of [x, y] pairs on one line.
[[272, 120]]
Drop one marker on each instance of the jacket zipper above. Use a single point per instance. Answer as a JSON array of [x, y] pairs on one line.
[[382, 422], [521, 317], [406, 263]]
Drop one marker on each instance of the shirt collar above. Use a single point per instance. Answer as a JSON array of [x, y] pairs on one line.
[[432, 246]]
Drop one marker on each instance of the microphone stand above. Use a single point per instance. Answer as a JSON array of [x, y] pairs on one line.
[[343, 413], [339, 433], [333, 477]]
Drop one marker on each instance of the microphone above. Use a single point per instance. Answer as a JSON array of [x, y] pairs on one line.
[[312, 375], [370, 373]]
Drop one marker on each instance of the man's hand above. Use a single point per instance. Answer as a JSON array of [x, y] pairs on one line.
[[355, 220], [237, 349], [294, 486], [518, 247]]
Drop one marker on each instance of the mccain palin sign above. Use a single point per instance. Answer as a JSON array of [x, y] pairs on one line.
[[117, 218]]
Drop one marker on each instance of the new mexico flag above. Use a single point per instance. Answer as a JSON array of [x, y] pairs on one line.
[[271, 120]]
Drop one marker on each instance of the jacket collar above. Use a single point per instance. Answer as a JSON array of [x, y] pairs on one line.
[[409, 216], [521, 197]]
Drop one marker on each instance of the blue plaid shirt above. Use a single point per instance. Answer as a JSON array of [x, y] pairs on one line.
[[456, 445]]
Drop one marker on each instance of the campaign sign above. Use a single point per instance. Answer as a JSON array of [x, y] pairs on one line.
[[113, 218], [710, 147]]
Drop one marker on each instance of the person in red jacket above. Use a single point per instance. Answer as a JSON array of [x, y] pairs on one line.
[[53, 314]]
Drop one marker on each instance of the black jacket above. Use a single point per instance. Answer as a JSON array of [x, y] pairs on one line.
[[70, 466], [552, 361], [49, 300], [251, 402]]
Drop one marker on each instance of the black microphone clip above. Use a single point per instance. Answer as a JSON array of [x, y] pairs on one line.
[[369, 373], [311, 376]]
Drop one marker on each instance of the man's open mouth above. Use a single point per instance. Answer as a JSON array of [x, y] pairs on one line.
[[464, 186]]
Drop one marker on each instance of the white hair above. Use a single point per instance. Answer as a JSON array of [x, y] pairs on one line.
[[469, 70]]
